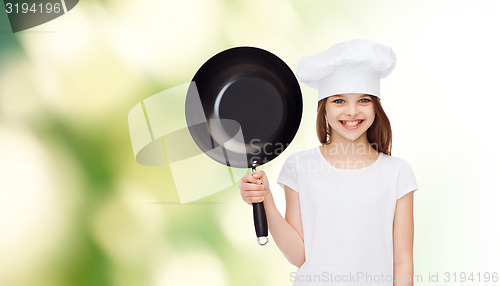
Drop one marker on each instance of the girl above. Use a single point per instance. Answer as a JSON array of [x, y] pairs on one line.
[[349, 203]]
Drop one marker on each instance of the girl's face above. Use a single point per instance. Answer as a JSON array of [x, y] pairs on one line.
[[350, 114]]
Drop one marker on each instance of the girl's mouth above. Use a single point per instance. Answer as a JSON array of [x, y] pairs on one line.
[[351, 124]]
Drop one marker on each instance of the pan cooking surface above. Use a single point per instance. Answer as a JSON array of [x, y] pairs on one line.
[[251, 89], [253, 102]]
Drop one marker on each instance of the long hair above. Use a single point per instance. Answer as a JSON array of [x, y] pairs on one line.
[[379, 134]]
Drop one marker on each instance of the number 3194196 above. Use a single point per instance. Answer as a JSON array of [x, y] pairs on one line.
[[40, 8]]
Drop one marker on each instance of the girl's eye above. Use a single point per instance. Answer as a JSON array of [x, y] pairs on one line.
[[365, 100], [338, 101]]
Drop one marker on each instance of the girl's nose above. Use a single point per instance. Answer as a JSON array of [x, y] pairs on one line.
[[352, 110]]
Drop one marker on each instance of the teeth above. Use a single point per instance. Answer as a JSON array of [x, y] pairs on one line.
[[351, 123]]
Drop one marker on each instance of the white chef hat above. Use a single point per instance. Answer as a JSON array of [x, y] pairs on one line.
[[354, 66]]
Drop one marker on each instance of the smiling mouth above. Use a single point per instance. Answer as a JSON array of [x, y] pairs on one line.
[[351, 124]]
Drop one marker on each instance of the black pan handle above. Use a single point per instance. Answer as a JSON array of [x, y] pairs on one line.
[[259, 218]]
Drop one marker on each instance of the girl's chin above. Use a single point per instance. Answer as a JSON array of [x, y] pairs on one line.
[[350, 137]]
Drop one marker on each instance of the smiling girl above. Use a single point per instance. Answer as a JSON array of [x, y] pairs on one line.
[[349, 203]]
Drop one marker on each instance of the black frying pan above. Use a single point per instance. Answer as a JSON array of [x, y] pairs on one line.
[[243, 109]]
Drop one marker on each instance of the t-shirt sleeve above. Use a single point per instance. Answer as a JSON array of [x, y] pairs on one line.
[[406, 180], [288, 175]]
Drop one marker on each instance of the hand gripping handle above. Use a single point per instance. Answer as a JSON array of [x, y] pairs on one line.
[[259, 218]]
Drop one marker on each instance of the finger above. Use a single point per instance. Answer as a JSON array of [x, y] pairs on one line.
[[249, 194], [243, 182], [256, 199], [259, 174], [252, 200], [245, 178], [253, 187], [248, 178]]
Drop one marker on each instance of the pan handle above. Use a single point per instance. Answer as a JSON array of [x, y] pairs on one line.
[[259, 218]]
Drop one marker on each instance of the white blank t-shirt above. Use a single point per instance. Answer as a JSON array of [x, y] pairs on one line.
[[347, 217]]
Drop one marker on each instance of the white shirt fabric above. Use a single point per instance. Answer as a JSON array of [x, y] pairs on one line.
[[347, 217]]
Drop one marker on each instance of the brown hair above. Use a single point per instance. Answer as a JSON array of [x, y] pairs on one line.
[[379, 134]]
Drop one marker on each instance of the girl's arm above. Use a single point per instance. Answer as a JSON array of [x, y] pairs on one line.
[[287, 232], [403, 241]]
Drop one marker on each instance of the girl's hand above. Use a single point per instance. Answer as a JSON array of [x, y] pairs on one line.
[[254, 188]]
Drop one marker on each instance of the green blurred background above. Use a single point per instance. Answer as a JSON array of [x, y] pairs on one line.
[[77, 209]]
